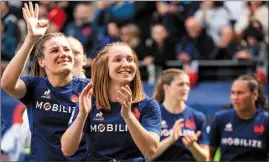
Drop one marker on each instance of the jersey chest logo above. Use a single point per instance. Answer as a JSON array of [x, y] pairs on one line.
[[258, 129]]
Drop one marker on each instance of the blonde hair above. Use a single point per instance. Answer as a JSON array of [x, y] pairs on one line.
[[166, 78], [100, 77]]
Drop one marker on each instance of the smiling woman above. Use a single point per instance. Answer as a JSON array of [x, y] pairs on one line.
[[114, 106], [50, 93]]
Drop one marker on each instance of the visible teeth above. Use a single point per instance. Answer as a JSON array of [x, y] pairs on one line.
[[125, 72]]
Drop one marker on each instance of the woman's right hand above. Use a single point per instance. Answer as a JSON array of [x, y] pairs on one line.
[[176, 131], [85, 104], [35, 28]]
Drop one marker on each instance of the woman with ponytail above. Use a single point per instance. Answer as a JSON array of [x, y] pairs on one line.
[[51, 94], [184, 136], [242, 132]]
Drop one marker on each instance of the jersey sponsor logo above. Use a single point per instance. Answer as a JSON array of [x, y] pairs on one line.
[[167, 132], [258, 129], [228, 127], [54, 107], [190, 124], [46, 94], [108, 128], [75, 98], [241, 142], [136, 113]]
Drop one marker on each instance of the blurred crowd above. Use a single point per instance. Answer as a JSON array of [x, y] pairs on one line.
[[157, 31]]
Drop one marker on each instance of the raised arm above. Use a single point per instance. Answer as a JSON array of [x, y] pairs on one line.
[[71, 138], [10, 81], [146, 141]]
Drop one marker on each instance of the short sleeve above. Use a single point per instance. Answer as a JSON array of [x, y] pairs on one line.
[[74, 116], [30, 83], [203, 139], [214, 133], [151, 119]]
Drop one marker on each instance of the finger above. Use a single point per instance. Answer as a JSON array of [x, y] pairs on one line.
[[184, 141], [90, 92], [198, 133], [121, 102], [36, 10], [27, 13], [85, 90], [127, 93], [128, 88], [24, 14], [31, 9], [122, 96]]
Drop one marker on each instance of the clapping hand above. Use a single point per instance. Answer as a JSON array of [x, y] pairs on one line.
[[124, 97], [85, 104]]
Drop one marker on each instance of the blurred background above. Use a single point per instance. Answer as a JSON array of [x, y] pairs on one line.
[[213, 41]]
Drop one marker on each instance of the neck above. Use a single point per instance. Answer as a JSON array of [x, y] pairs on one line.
[[113, 88], [174, 106], [60, 80], [246, 114]]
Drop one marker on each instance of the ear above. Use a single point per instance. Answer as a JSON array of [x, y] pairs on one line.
[[165, 86], [84, 60], [41, 63], [255, 95]]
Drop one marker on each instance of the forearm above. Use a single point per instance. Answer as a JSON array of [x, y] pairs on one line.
[[72, 137], [17, 64], [199, 153], [145, 141], [163, 146]]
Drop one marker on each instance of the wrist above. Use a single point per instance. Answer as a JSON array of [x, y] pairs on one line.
[[128, 116], [31, 39], [82, 116]]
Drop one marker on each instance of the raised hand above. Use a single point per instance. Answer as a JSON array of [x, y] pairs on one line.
[[85, 104], [35, 28], [124, 97], [176, 130], [189, 139]]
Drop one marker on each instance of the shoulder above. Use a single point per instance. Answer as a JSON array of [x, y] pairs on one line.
[[147, 101], [263, 113], [225, 114], [84, 81], [194, 112], [32, 79]]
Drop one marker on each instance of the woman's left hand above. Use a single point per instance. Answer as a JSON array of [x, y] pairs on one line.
[[124, 97], [190, 138]]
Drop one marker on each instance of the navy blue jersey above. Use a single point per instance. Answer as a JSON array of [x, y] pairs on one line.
[[49, 110], [109, 135], [193, 121], [240, 139]]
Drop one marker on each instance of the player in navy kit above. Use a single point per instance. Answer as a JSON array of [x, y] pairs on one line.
[[184, 136], [242, 132], [51, 94], [121, 122]]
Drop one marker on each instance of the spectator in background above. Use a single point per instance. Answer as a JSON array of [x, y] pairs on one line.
[[197, 45], [236, 9], [242, 132], [10, 22], [83, 29], [56, 15], [8, 43], [213, 16], [256, 10], [253, 46], [184, 136], [113, 34], [227, 46], [161, 47]]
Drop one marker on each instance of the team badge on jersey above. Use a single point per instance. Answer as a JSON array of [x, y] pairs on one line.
[[136, 113], [258, 129], [190, 124]]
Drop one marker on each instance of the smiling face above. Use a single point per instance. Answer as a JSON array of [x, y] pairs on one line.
[[58, 57], [179, 88], [121, 64]]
